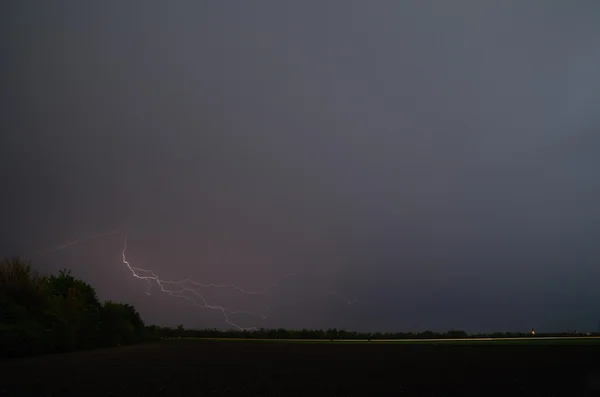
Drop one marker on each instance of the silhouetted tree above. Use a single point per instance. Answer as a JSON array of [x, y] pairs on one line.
[[77, 323], [120, 324], [23, 307]]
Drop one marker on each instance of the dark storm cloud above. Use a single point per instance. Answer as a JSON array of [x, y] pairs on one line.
[[439, 160]]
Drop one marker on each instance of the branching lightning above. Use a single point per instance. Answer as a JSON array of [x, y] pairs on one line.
[[179, 292], [184, 288]]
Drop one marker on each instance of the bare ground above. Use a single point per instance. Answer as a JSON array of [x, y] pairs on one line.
[[215, 368]]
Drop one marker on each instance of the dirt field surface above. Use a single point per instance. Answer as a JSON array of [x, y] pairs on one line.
[[261, 368]]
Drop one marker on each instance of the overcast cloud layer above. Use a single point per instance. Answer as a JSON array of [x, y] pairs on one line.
[[437, 160]]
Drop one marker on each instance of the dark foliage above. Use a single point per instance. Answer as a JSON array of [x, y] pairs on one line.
[[58, 313]]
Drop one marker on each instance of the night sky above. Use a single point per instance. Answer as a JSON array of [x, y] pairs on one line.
[[437, 160]]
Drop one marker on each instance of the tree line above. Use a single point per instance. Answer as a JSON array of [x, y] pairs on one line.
[[59, 313], [341, 334]]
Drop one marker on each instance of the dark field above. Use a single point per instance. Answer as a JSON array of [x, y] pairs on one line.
[[263, 368]]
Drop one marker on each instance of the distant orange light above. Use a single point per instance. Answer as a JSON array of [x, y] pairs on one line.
[[532, 331]]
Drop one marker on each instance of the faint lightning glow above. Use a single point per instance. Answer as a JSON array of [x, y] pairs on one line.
[[81, 240], [230, 286], [341, 297]]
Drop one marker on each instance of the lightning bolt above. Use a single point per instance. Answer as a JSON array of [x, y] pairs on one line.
[[203, 302], [183, 288]]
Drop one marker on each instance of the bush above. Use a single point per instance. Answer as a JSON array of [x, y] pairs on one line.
[[59, 313]]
